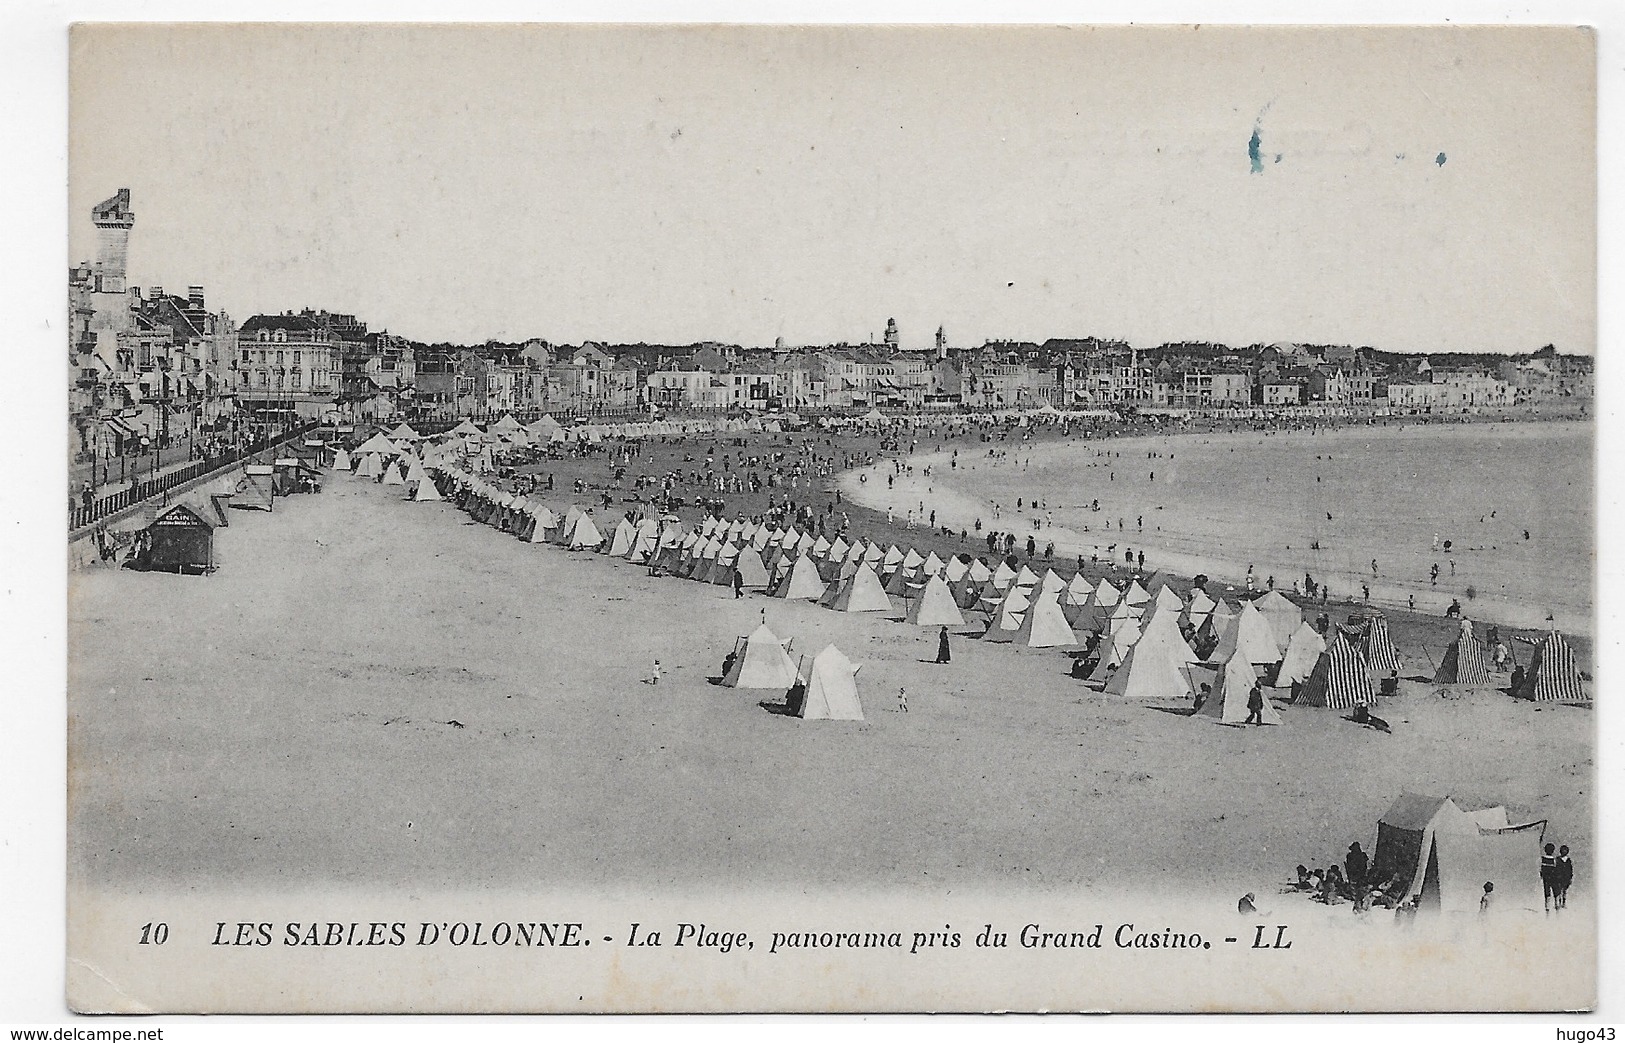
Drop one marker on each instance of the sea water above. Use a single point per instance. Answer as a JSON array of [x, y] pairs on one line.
[[1513, 501]]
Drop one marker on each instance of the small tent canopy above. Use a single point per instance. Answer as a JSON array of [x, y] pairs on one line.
[[1045, 625], [585, 535], [862, 592], [1302, 653], [1249, 634], [256, 488], [1200, 607], [377, 444], [760, 661], [1552, 675], [425, 491], [404, 431], [1114, 647], [1371, 638], [1282, 615], [1463, 662], [1136, 594], [802, 582], [466, 428], [748, 566], [1153, 669], [1231, 690], [935, 606], [621, 542], [1341, 678], [1443, 855], [341, 461], [831, 689]]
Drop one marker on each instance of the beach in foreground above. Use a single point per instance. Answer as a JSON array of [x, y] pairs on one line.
[[371, 692]]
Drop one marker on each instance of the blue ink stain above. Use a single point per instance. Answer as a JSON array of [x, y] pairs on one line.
[[1440, 159], [1252, 151]]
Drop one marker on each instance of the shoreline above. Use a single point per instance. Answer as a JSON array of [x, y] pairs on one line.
[[943, 492]]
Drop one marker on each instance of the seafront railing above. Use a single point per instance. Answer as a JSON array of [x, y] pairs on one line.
[[142, 490]]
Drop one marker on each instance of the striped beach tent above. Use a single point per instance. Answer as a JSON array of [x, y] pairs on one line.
[[1463, 661], [1552, 675], [1372, 639], [1341, 678]]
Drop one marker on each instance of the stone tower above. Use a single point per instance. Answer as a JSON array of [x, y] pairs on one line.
[[113, 219], [942, 345], [891, 335]]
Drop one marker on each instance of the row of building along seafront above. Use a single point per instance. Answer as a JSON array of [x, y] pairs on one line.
[[149, 368]]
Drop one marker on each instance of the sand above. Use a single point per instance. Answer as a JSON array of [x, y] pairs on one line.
[[371, 692]]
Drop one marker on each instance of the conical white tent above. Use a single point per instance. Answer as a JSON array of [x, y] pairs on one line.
[[1282, 615], [1150, 671], [1044, 625], [1249, 634], [760, 661], [752, 573], [801, 582], [371, 466], [934, 607], [1114, 646], [341, 461], [1302, 653], [425, 492], [1232, 688], [1136, 594], [621, 542], [831, 688], [862, 592], [585, 535]]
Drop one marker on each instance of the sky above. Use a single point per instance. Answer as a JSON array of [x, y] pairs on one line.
[[1415, 190]]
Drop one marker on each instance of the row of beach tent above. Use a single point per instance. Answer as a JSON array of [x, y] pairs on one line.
[[1136, 635]]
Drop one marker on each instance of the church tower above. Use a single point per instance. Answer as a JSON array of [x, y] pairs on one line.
[[942, 345], [891, 335]]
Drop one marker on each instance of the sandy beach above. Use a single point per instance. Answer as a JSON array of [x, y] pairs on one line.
[[372, 692]]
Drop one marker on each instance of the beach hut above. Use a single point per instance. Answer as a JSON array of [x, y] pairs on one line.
[[179, 539], [934, 606], [1341, 678], [801, 583], [830, 692], [1232, 687], [1463, 662], [760, 661], [1442, 855], [1552, 675], [1302, 653]]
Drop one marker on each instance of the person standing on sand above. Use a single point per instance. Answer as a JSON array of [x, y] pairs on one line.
[[1548, 874], [1486, 902], [1255, 704], [944, 654], [739, 585], [1564, 876]]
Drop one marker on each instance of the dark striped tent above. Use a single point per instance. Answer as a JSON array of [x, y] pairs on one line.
[[1341, 678], [1552, 675], [1370, 636], [1463, 661]]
